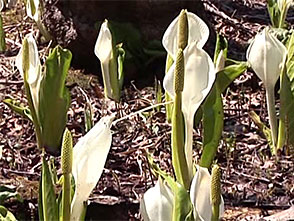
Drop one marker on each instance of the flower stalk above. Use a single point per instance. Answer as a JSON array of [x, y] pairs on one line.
[[270, 98], [178, 128], [66, 166], [266, 56], [215, 192]]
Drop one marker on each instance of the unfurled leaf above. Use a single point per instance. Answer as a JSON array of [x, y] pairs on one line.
[[213, 117], [54, 99], [226, 76], [213, 113], [286, 122]]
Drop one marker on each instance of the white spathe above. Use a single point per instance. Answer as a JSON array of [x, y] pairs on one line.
[[89, 157], [1, 5], [266, 56], [198, 81], [32, 8], [34, 75], [197, 32], [103, 50], [157, 203], [200, 194]]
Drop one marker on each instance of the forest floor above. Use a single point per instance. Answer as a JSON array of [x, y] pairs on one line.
[[254, 184]]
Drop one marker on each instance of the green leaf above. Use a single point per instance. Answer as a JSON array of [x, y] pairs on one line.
[[286, 122], [274, 12], [290, 62], [263, 128], [120, 63], [49, 204], [213, 118], [229, 74], [182, 206], [7, 193], [18, 108], [198, 116], [5, 215], [213, 113], [221, 44], [2, 36], [179, 160], [54, 99], [158, 93]]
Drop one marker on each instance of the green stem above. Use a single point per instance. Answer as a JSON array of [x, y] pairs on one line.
[[283, 16], [270, 97], [215, 213], [281, 134], [113, 77], [178, 144], [66, 197], [283, 106], [2, 36], [45, 33]]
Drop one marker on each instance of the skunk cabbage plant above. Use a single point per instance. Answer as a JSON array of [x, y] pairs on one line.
[[198, 32], [47, 95], [201, 195], [283, 6], [198, 80], [266, 56], [28, 63], [89, 157], [111, 62], [34, 9], [158, 202]]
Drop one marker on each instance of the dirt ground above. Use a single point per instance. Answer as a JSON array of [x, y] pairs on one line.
[[254, 185]]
